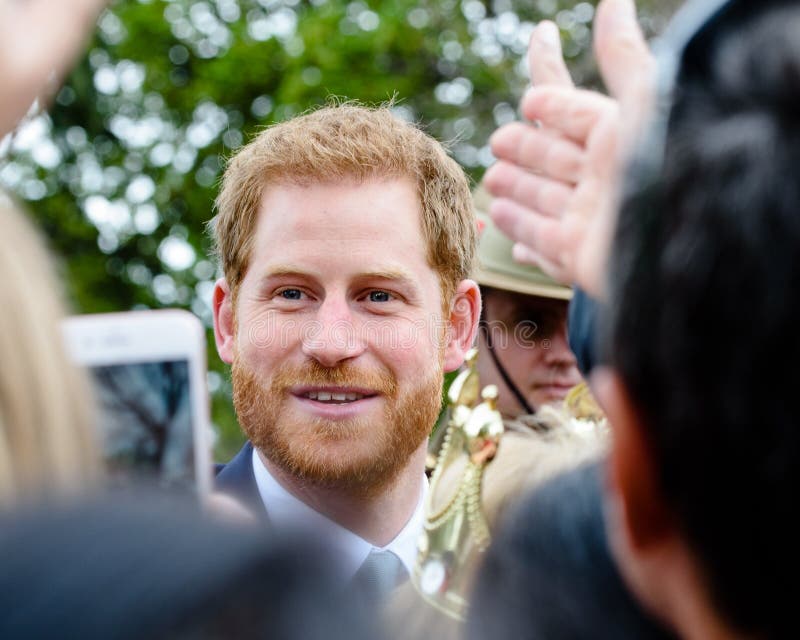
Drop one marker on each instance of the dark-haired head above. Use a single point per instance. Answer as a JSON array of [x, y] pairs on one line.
[[549, 575], [704, 311]]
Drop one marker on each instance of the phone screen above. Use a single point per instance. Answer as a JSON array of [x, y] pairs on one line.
[[146, 422]]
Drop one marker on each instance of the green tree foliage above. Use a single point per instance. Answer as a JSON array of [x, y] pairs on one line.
[[122, 173]]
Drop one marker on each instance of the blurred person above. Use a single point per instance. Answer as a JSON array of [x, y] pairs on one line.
[[346, 237], [522, 342], [46, 442], [548, 573], [46, 447], [685, 252], [707, 227], [139, 565]]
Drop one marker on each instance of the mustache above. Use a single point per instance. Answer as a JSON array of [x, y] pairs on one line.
[[342, 375]]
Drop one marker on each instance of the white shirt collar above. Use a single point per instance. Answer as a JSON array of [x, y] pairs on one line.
[[285, 511]]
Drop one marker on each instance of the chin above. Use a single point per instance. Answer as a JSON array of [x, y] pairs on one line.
[[357, 461], [550, 399], [360, 475]]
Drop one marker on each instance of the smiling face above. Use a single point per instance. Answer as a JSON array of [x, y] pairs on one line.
[[338, 340]]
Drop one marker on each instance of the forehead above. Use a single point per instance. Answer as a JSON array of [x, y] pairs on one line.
[[377, 222]]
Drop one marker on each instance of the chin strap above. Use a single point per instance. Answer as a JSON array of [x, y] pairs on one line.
[[504, 374]]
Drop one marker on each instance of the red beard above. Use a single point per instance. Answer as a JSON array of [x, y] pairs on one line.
[[358, 455]]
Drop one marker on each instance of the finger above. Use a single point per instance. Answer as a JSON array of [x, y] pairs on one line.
[[625, 61], [72, 12], [545, 59], [43, 38], [572, 113], [540, 234], [524, 255], [506, 180], [591, 219], [540, 150], [588, 265], [57, 29]]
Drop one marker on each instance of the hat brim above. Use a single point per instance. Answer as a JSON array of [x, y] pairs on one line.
[[517, 285]]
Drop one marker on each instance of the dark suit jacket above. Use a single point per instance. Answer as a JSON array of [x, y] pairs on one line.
[[237, 480]]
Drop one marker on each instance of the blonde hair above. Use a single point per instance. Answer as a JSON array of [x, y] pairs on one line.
[[341, 142], [46, 447]]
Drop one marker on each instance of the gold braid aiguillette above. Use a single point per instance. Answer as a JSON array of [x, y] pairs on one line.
[[456, 532]]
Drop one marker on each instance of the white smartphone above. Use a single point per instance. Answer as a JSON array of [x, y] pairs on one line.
[[149, 374]]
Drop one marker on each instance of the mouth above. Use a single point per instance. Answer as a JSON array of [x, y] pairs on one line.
[[556, 388], [333, 395]]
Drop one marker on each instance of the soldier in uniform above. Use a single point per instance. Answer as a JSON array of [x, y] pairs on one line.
[[522, 344]]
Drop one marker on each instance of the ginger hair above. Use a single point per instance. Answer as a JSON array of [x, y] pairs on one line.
[[348, 142]]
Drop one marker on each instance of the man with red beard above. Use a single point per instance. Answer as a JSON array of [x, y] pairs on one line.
[[346, 237]]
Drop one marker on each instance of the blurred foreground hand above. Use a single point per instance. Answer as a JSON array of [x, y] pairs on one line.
[[39, 41], [557, 176], [224, 508]]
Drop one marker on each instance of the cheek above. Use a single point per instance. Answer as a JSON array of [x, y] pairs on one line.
[[410, 360], [266, 336], [255, 335], [522, 359], [405, 340], [403, 360]]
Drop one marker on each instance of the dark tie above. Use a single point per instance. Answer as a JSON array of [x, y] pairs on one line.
[[380, 573]]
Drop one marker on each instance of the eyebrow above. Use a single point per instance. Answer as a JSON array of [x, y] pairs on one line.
[[285, 270], [395, 275]]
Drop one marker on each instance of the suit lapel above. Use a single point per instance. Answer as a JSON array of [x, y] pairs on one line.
[[237, 480]]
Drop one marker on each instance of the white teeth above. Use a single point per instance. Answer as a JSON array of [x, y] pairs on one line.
[[323, 396]]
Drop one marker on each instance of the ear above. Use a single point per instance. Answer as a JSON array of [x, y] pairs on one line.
[[465, 311], [644, 538], [633, 473], [224, 323]]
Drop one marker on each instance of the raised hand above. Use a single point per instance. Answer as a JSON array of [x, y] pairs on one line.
[[556, 177], [39, 39]]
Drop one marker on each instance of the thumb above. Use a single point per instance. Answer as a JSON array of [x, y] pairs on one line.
[[545, 59], [625, 61]]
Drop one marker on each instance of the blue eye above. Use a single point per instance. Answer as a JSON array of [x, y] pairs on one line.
[[291, 294], [379, 296]]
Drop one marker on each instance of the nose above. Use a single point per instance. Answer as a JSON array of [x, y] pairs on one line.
[[331, 336], [558, 351]]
